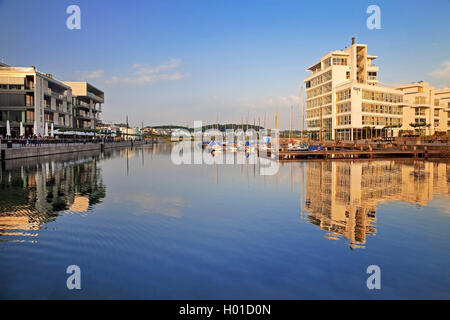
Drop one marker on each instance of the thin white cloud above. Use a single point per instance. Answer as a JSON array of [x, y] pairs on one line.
[[145, 74], [90, 74], [171, 64], [147, 79], [443, 72], [281, 101]]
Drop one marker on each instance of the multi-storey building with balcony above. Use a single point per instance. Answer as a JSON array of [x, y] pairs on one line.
[[32, 98], [443, 98], [425, 110], [344, 99], [87, 104]]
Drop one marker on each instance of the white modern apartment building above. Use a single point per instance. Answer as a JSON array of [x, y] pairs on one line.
[[344, 100]]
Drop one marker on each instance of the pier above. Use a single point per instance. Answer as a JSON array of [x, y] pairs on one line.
[[17, 151], [369, 152]]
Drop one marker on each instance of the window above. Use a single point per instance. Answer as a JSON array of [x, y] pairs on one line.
[[343, 95], [343, 107], [344, 120], [420, 112], [30, 116], [420, 100], [340, 61], [381, 96], [16, 87], [15, 116]]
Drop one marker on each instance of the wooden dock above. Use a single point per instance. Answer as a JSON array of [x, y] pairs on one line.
[[368, 152]]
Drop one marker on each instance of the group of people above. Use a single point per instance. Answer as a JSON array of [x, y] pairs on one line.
[[28, 140], [38, 140]]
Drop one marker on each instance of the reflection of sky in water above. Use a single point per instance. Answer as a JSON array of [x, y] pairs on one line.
[[142, 227]]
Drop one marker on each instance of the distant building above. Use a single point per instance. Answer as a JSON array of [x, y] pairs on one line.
[[130, 133], [108, 128], [148, 130], [119, 129]]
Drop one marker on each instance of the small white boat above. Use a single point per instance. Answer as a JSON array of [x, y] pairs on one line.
[[266, 149], [231, 148], [240, 147], [298, 147], [215, 147]]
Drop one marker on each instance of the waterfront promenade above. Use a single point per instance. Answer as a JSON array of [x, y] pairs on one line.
[[17, 149]]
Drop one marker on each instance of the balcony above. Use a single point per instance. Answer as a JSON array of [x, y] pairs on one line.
[[81, 104], [421, 100], [12, 87], [84, 116], [94, 97], [57, 95]]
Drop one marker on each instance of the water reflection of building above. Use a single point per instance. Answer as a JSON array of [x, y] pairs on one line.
[[342, 196], [36, 194]]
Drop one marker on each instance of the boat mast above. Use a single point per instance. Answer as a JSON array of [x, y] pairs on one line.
[[248, 114], [302, 116], [276, 119], [265, 120], [290, 125]]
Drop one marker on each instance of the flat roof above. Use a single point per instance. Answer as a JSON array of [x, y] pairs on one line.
[[51, 79], [314, 66], [412, 85]]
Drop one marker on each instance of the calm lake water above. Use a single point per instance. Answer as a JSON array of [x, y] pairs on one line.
[[140, 227]]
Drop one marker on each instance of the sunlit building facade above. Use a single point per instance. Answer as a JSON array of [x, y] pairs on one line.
[[34, 98], [40, 101], [87, 104], [425, 109], [344, 100]]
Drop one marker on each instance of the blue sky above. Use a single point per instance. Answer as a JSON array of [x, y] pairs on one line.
[[178, 61]]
